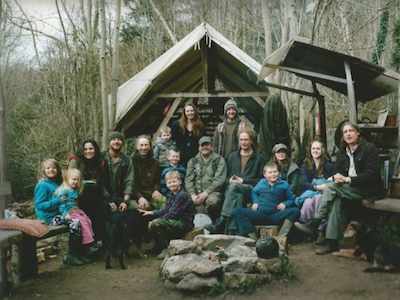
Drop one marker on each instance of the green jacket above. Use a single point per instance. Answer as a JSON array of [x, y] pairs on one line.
[[208, 176], [294, 177], [118, 177]]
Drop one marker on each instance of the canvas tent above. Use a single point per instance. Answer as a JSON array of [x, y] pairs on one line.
[[190, 68]]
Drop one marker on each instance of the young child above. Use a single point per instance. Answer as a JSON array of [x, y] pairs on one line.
[[68, 194], [175, 219], [162, 145], [174, 158], [46, 205], [273, 204]]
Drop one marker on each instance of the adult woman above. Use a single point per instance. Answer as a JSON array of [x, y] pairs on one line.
[[316, 170], [288, 169], [89, 161], [187, 131]]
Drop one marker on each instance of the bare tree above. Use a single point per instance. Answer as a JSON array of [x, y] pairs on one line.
[[115, 64], [103, 75]]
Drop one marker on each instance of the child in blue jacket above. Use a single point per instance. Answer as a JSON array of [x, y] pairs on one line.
[[273, 204]]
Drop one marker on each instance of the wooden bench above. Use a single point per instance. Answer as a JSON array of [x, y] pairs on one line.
[[24, 247], [391, 205]]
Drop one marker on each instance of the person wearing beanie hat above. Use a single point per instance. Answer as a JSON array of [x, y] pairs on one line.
[[116, 135], [118, 184], [226, 133]]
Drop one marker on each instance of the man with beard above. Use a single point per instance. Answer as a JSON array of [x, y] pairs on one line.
[[147, 176], [206, 174], [245, 168], [118, 186], [357, 176]]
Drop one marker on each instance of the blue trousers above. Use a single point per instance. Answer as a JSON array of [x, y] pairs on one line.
[[246, 218]]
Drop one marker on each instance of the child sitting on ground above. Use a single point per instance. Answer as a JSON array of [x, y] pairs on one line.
[[162, 145], [273, 204], [175, 219], [174, 158], [82, 234]]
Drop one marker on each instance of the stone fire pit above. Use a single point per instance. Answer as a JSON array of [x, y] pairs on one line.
[[216, 260]]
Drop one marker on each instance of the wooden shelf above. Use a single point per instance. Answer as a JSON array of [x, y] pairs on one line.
[[378, 129]]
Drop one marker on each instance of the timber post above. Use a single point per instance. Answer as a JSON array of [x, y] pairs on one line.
[[351, 94]]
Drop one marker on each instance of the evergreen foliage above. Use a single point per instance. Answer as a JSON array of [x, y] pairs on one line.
[[381, 38], [396, 48]]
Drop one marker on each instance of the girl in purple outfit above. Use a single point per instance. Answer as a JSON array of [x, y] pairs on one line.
[[316, 170]]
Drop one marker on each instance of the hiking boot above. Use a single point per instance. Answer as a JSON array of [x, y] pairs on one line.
[[72, 260], [86, 259], [218, 227], [304, 228], [320, 241], [329, 247]]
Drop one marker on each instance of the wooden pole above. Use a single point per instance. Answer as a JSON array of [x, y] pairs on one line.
[[322, 113], [350, 94]]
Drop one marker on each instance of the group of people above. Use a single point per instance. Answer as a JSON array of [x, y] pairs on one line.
[[157, 192]]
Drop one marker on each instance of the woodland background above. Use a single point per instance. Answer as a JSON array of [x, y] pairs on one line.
[[58, 98]]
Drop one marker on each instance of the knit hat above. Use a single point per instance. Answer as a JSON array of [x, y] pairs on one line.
[[279, 147], [230, 103], [116, 135]]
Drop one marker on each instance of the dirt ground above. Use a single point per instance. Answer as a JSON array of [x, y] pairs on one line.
[[319, 277]]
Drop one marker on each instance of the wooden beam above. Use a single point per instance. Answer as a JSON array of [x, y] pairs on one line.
[[260, 101], [208, 67], [215, 95], [134, 115], [168, 116], [314, 74], [322, 113], [350, 94]]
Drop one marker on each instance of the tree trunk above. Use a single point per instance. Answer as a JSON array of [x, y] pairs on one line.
[[158, 13], [103, 74], [266, 17], [115, 65]]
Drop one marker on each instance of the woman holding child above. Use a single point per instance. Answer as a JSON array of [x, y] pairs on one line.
[[91, 164], [187, 131], [316, 171]]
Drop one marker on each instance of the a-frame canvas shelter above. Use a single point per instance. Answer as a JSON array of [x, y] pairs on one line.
[[190, 69]]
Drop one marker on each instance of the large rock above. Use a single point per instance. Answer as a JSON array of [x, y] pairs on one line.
[[192, 282], [233, 280], [237, 250], [177, 247], [176, 267], [214, 242], [240, 264]]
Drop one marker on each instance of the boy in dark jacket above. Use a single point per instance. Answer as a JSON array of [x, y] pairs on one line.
[[272, 204], [175, 218]]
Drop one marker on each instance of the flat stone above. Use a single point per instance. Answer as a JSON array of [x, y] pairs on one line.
[[192, 282], [215, 242], [240, 264], [177, 247], [176, 267], [237, 250]]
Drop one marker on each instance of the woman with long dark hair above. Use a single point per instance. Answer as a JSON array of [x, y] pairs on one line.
[[91, 164], [187, 131]]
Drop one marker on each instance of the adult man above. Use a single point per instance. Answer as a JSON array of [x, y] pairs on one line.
[[245, 168], [226, 133], [357, 177], [147, 175], [118, 184], [206, 175]]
